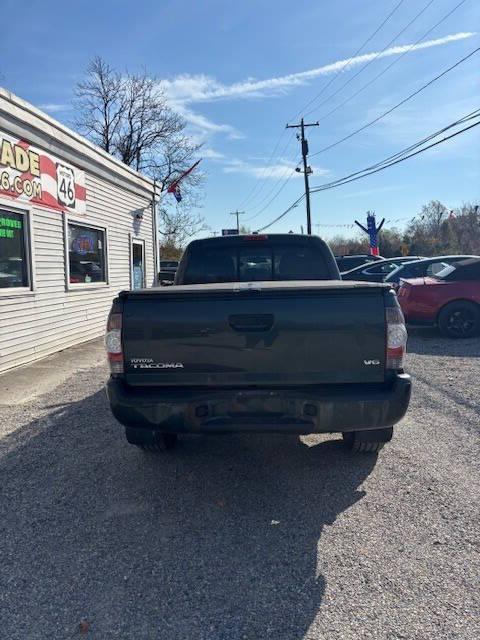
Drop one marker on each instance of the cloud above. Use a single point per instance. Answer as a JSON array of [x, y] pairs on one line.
[[202, 123], [202, 88], [185, 90], [279, 170], [211, 154], [54, 107]]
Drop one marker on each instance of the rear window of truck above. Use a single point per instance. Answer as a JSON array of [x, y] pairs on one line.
[[251, 263]]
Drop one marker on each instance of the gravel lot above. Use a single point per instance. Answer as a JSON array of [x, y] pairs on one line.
[[243, 537]]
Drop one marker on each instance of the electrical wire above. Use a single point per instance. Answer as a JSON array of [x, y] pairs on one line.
[[411, 155], [387, 68], [420, 13], [394, 159], [284, 184], [282, 215], [385, 165], [250, 194], [349, 61], [399, 104], [376, 57]]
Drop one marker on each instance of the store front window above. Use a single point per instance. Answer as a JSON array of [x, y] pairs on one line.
[[14, 267], [86, 254]]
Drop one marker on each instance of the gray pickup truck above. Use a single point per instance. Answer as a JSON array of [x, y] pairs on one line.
[[258, 334]]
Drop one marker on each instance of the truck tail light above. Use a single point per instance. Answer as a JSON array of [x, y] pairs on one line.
[[396, 338], [113, 342]]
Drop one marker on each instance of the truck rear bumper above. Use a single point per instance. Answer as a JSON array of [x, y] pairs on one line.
[[287, 410]]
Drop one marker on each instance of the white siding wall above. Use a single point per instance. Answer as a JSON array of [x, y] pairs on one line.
[[53, 317]]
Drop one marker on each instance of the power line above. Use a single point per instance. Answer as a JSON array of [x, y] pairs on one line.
[[277, 193], [415, 153], [385, 165], [349, 61], [262, 180], [399, 104], [282, 215], [369, 62], [325, 87], [388, 67], [400, 156], [285, 177], [466, 118], [412, 147]]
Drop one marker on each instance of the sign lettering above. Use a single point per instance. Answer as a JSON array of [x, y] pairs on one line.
[[29, 174]]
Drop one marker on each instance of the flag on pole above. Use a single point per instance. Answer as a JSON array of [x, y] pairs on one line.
[[174, 186]]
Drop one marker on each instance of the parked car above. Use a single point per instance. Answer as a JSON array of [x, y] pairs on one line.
[[11, 274], [169, 265], [166, 277], [300, 351], [450, 299], [378, 271], [422, 268], [345, 263]]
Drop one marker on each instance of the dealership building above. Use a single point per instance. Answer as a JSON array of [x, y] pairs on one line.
[[76, 227]]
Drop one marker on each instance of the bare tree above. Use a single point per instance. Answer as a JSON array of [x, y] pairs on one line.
[[148, 124], [128, 115], [100, 103]]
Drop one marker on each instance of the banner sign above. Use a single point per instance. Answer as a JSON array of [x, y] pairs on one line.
[[31, 175], [229, 232]]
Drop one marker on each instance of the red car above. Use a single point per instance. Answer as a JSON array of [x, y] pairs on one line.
[[451, 299]]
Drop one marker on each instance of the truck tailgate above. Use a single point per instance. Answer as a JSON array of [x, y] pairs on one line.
[[267, 335]]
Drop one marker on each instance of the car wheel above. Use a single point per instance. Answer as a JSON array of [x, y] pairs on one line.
[[459, 320], [151, 440], [367, 441]]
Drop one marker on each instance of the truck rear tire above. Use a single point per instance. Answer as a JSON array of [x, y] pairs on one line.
[[367, 441], [151, 440]]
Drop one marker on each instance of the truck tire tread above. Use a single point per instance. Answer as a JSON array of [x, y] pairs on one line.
[[368, 442], [159, 441]]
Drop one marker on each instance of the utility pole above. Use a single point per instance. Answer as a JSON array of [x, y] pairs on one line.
[[237, 213], [306, 169]]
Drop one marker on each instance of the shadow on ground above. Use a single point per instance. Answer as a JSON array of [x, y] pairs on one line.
[[218, 540]]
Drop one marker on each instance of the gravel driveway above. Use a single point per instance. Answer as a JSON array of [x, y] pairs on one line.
[[243, 536]]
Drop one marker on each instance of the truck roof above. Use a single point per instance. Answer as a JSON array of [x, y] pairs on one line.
[[255, 237]]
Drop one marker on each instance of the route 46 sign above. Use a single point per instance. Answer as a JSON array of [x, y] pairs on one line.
[[65, 186]]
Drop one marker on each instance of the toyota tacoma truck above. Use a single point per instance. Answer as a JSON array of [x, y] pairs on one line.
[[258, 334]]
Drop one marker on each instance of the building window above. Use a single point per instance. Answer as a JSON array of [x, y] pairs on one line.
[[86, 254], [14, 254]]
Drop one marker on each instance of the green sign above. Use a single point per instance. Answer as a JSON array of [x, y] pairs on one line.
[[8, 226], [10, 223]]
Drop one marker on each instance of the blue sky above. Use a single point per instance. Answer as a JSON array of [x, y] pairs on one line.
[[237, 72]]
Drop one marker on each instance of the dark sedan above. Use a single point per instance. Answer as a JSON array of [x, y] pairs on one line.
[[377, 271], [422, 268], [346, 263], [169, 265]]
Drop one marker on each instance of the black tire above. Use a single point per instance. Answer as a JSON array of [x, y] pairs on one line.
[[367, 441], [151, 440], [459, 319]]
